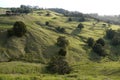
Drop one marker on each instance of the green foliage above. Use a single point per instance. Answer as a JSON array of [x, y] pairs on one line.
[[58, 65], [110, 33], [101, 41], [90, 41], [116, 41], [19, 29], [62, 41], [61, 30], [62, 52], [69, 19], [97, 48], [80, 26], [46, 23]]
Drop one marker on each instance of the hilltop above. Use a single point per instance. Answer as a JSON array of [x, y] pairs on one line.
[[38, 45]]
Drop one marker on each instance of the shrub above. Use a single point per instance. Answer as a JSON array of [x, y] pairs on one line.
[[47, 23], [90, 42], [62, 52], [62, 41], [58, 65], [80, 26], [69, 19], [100, 41], [97, 48], [116, 41], [59, 29], [110, 33], [19, 29]]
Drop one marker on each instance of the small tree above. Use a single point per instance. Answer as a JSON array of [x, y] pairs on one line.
[[62, 41], [47, 23], [100, 41], [62, 52], [80, 26], [90, 42], [19, 29], [69, 19], [110, 33], [58, 65], [97, 48]]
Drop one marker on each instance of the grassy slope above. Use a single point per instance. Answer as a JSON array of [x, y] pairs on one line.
[[38, 45]]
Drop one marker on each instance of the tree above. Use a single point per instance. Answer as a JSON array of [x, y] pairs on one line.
[[47, 23], [100, 41], [19, 28], [61, 30], [62, 52], [62, 41], [58, 65], [80, 26], [97, 48], [110, 33], [69, 19], [116, 41], [90, 42]]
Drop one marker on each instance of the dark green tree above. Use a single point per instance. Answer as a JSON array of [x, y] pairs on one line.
[[62, 41], [62, 52], [58, 65], [101, 41], [19, 28], [90, 42], [80, 26]]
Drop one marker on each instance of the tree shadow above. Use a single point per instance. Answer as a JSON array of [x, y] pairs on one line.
[[76, 31]]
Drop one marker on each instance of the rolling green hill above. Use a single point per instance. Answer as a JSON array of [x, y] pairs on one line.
[[25, 58]]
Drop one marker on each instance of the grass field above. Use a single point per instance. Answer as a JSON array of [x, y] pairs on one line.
[[30, 53]]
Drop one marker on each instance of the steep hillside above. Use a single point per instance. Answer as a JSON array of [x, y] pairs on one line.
[[38, 45]]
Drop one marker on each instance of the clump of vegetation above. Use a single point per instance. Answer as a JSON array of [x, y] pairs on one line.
[[62, 41], [98, 48], [80, 26], [116, 41], [58, 65], [90, 42], [62, 52], [110, 33], [46, 23], [19, 29], [101, 41], [61, 30], [48, 14], [69, 19]]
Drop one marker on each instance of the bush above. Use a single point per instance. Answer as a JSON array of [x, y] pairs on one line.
[[59, 29], [62, 41], [110, 33], [69, 19], [62, 52], [47, 23], [19, 29], [90, 42], [80, 26], [100, 41], [97, 48], [58, 65]]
